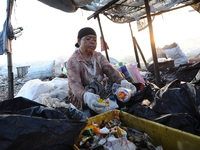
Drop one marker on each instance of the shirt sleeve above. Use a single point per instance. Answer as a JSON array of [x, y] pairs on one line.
[[74, 78]]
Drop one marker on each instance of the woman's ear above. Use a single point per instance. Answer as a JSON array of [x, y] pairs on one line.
[[79, 41]]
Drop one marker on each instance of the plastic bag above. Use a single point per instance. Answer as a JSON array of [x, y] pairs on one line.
[[113, 143], [176, 105], [187, 73], [34, 88], [50, 93], [135, 74], [176, 54], [25, 124]]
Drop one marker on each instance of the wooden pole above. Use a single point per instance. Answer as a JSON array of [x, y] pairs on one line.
[[104, 43], [10, 76], [9, 54], [155, 60], [145, 63], [135, 48]]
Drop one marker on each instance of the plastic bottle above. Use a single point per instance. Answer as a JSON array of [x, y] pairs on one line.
[[125, 71], [118, 68], [122, 94]]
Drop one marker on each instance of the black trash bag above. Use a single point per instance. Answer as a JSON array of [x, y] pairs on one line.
[[185, 72], [163, 66], [188, 72], [182, 121], [196, 79], [178, 97], [143, 111], [25, 124], [175, 105]]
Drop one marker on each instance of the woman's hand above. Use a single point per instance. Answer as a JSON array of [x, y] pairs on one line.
[[128, 85], [91, 100]]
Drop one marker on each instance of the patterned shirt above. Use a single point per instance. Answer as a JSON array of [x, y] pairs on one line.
[[81, 73]]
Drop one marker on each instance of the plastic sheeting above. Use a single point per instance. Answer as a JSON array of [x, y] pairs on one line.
[[4, 39], [187, 73], [176, 105], [7, 33], [124, 11], [25, 124], [63, 5]]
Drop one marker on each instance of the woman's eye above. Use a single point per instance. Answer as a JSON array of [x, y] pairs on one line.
[[91, 38]]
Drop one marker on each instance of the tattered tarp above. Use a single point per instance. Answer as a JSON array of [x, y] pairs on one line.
[[3, 40], [176, 105], [66, 5], [25, 124], [130, 10], [196, 7], [7, 32], [118, 11]]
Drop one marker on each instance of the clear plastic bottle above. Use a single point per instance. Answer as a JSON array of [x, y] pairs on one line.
[[122, 94]]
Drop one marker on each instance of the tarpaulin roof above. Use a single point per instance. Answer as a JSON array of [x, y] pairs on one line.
[[130, 10], [119, 11], [196, 7]]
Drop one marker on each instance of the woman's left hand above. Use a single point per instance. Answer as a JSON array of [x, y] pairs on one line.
[[128, 85]]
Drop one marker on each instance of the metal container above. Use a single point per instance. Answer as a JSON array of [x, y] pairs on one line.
[[22, 71]]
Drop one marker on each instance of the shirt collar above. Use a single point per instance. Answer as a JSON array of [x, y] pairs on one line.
[[80, 57]]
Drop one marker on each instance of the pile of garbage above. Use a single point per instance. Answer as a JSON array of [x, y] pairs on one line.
[[17, 85], [114, 135], [51, 93]]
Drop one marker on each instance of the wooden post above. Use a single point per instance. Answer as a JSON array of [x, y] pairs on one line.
[[103, 38], [155, 60], [10, 76], [138, 48], [9, 54], [135, 48]]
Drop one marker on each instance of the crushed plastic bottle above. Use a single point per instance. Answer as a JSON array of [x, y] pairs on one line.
[[122, 94]]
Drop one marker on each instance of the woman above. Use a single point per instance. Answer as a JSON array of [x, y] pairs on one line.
[[86, 66]]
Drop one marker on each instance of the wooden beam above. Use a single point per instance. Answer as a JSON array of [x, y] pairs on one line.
[[153, 47]]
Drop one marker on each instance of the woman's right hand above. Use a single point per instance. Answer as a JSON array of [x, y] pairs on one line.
[[91, 100]]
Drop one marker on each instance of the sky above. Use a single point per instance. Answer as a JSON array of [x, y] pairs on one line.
[[51, 34]]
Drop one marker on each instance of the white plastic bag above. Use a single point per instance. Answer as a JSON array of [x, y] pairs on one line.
[[177, 55], [58, 82], [34, 88], [118, 144]]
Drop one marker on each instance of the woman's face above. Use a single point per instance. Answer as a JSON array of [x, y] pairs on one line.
[[88, 43]]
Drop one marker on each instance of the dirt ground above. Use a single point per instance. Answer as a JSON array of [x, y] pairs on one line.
[[17, 85]]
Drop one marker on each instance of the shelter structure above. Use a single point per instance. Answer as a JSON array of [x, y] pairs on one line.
[[118, 11], [6, 36], [126, 11]]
